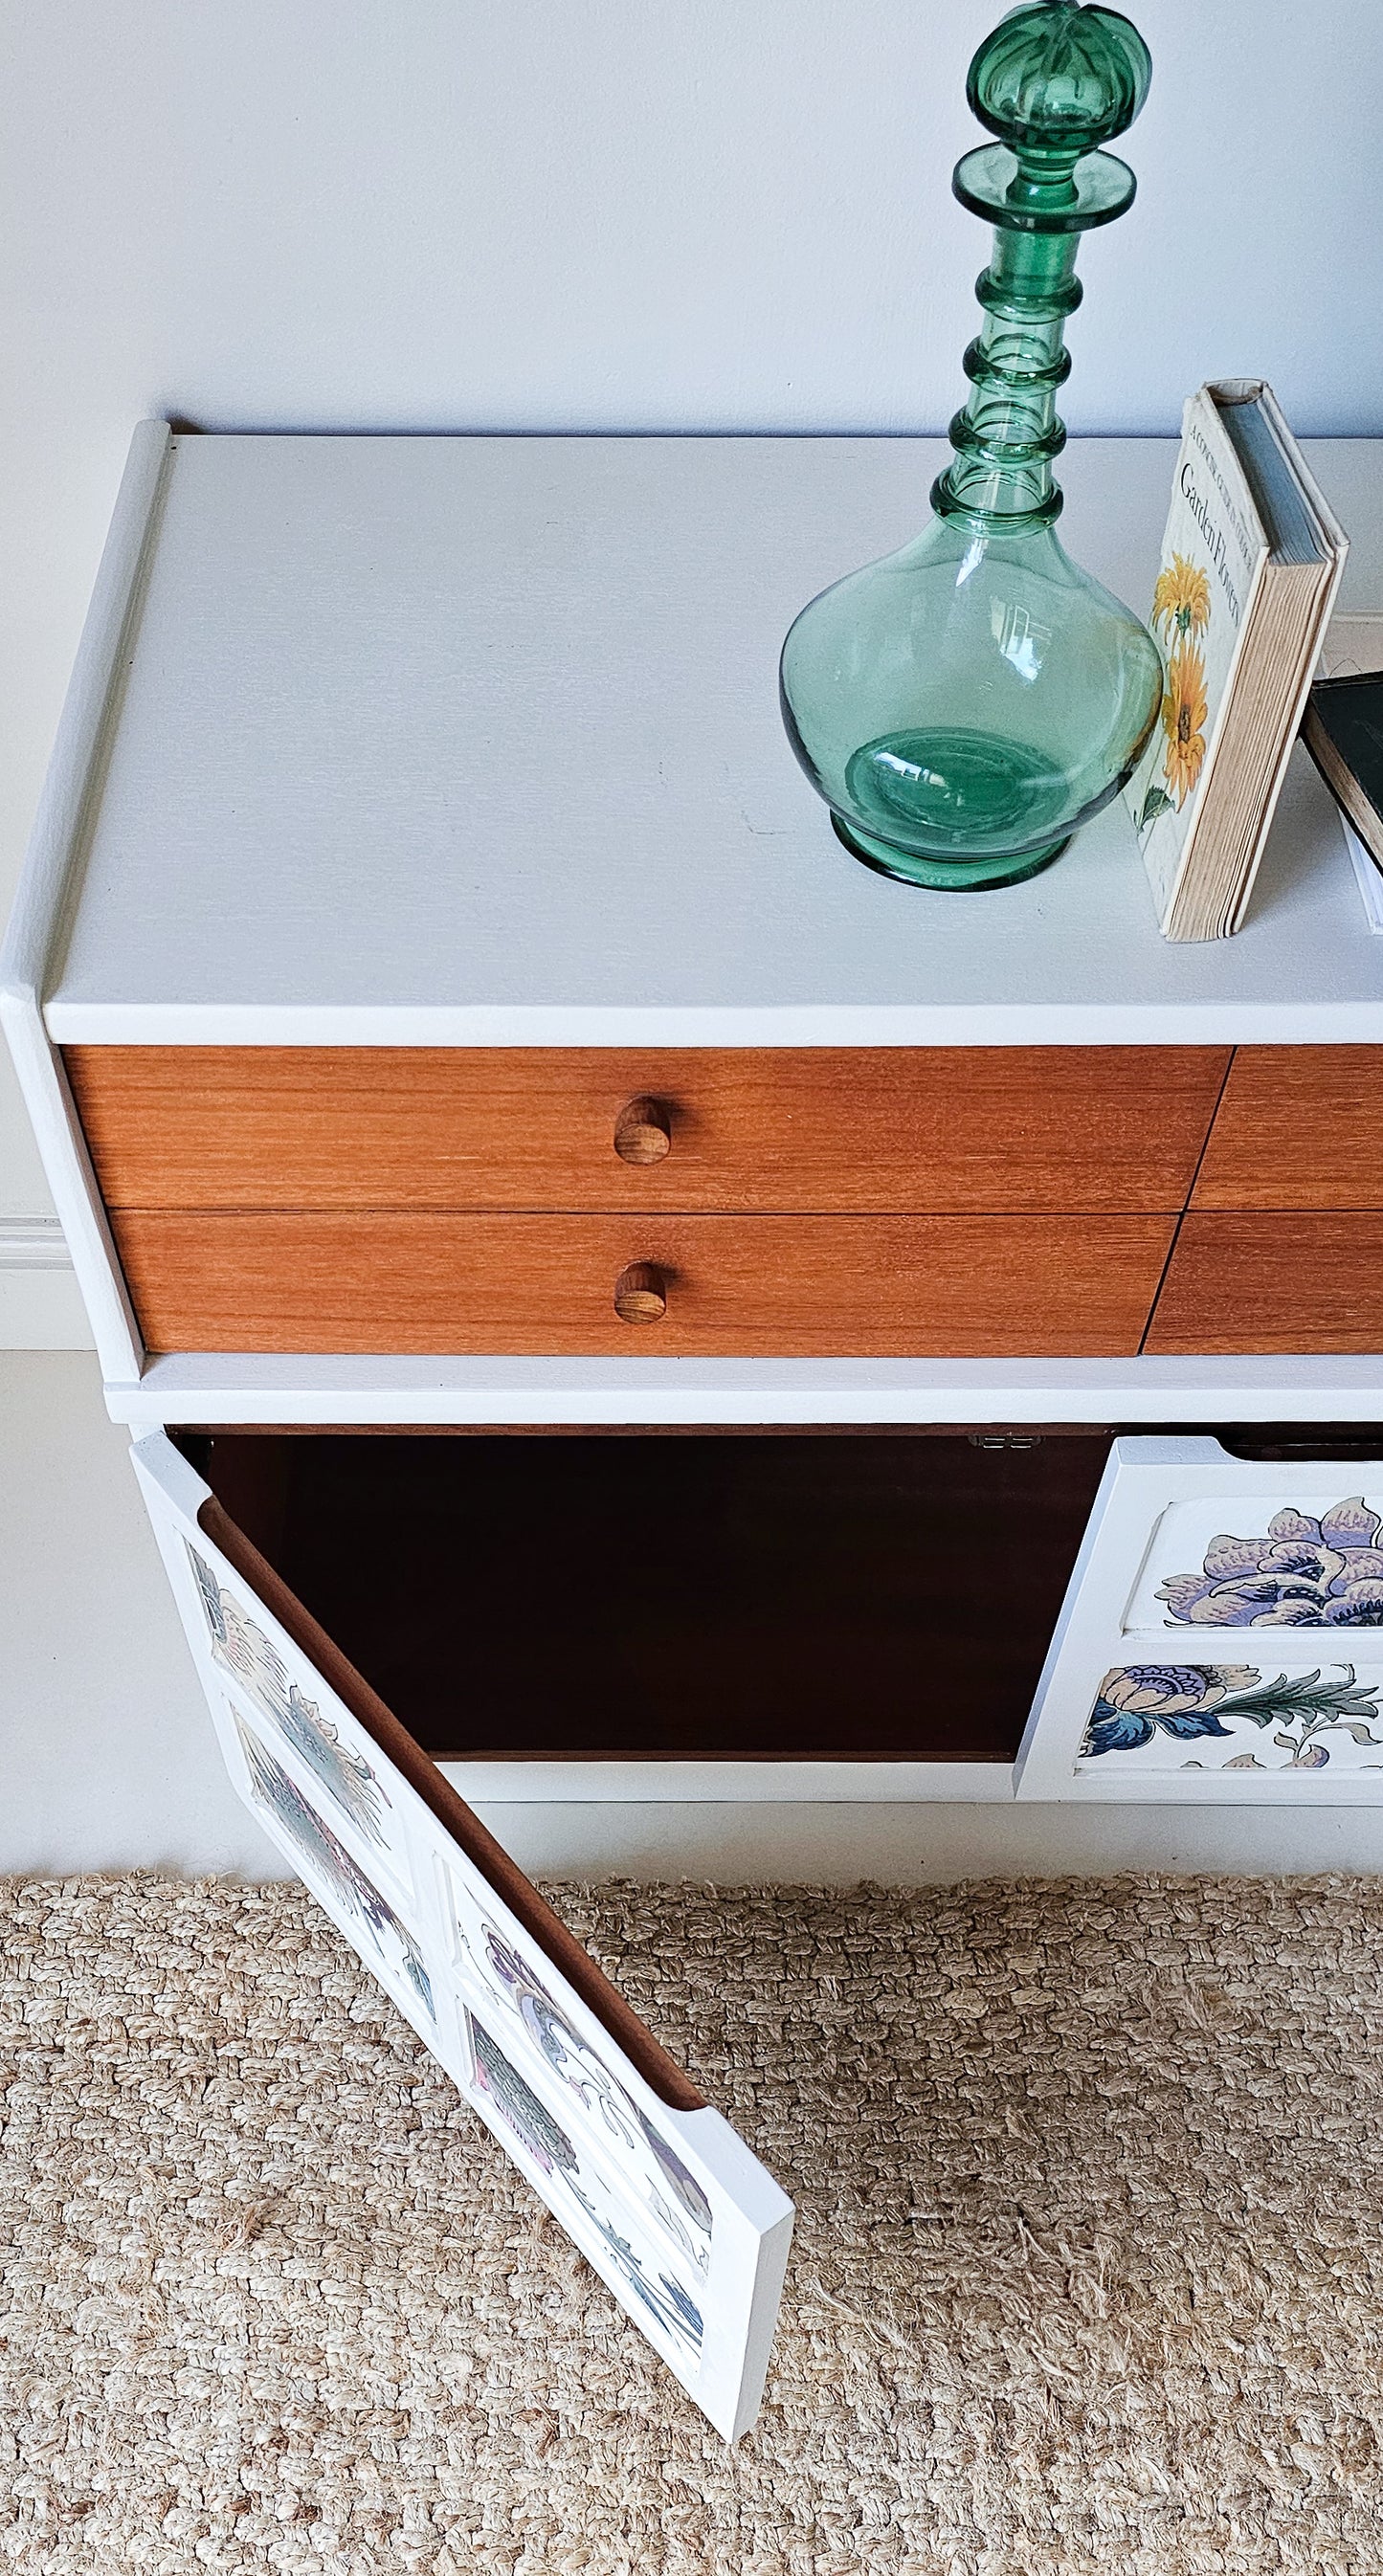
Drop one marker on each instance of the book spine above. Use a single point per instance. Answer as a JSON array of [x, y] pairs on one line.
[[1290, 730]]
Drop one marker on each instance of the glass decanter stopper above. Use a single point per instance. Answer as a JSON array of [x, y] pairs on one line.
[[966, 703]]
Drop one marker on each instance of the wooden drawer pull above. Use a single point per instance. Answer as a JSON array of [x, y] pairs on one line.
[[643, 1131], [641, 1293]]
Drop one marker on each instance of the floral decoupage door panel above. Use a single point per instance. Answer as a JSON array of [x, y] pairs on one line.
[[1222, 1636], [520, 1997], [669, 2206], [343, 1762], [588, 2196], [378, 1930]]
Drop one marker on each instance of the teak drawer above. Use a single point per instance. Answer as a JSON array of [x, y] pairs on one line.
[[1273, 1280], [956, 1130], [1298, 1127], [859, 1286]]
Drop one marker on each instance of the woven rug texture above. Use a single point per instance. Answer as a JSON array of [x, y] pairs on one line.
[[1088, 2270]]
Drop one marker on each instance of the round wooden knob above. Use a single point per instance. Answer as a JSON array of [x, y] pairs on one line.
[[641, 1293], [643, 1131]]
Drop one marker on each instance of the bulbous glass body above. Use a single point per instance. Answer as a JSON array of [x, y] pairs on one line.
[[969, 701]]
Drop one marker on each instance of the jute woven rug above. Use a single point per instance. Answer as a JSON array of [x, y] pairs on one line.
[[1088, 2273]]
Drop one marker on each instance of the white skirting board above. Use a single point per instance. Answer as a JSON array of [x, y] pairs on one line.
[[933, 1845], [708, 1784], [41, 1305]]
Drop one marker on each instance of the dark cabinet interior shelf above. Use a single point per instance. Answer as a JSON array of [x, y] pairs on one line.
[[812, 1596]]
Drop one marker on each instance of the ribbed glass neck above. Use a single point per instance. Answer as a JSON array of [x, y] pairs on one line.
[[1008, 433]]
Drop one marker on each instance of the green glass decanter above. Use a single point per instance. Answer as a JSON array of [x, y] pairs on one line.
[[965, 704]]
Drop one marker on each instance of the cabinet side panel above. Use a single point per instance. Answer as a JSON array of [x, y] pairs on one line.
[[38, 924]]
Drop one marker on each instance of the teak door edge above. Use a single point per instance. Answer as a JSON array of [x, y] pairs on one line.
[[659, 2070]]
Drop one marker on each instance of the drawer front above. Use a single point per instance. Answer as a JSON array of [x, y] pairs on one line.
[[926, 1129], [1284, 1280], [794, 1286], [1298, 1127]]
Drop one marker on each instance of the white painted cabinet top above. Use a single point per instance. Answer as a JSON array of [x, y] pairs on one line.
[[477, 740]]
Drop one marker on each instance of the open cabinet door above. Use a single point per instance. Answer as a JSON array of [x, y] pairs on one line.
[[1222, 1635], [664, 2200]]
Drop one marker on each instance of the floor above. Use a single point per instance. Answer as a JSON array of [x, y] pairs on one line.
[[1087, 2274], [109, 1763]]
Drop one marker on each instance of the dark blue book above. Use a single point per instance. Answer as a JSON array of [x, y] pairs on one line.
[[1343, 731]]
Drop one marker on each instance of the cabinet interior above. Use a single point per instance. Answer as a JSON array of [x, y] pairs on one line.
[[799, 1596]]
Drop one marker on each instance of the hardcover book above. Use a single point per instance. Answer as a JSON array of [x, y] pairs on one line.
[[1343, 731], [1251, 562]]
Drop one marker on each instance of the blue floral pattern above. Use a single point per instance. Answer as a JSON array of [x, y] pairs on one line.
[[1136, 1702], [612, 2108], [557, 2156], [1303, 1573], [658, 2177], [246, 1653], [318, 1847]]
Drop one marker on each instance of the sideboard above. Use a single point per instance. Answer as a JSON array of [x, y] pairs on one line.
[[606, 1290]]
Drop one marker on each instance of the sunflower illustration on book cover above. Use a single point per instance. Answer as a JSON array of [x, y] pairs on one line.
[[1183, 720], [1181, 600], [1180, 615]]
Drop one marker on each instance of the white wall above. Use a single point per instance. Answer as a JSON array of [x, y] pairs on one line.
[[657, 214]]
